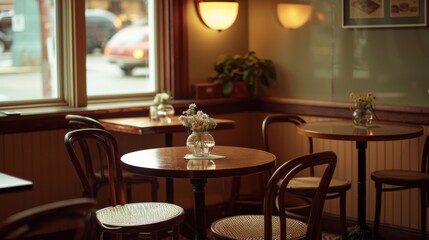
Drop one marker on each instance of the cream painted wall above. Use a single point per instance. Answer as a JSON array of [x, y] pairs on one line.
[[321, 60], [205, 45], [324, 61]]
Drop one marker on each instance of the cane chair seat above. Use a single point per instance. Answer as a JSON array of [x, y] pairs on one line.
[[310, 183], [252, 227], [401, 177], [152, 215]]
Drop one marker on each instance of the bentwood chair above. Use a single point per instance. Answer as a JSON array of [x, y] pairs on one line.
[[399, 179], [96, 169], [270, 226], [337, 187], [76, 215], [147, 219]]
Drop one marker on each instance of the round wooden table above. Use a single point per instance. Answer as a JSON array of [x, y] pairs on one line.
[[345, 130], [169, 162]]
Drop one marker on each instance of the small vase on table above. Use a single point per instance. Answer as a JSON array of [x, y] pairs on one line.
[[362, 117], [165, 112], [200, 144], [364, 106]]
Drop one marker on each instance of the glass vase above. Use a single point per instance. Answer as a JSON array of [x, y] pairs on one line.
[[165, 112], [362, 117], [200, 144]]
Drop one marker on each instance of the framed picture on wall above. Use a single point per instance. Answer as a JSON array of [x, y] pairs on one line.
[[384, 13]]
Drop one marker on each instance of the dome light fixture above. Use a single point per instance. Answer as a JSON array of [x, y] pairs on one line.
[[217, 15], [293, 14]]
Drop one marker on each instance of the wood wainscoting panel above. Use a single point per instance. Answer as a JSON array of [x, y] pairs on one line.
[[39, 157]]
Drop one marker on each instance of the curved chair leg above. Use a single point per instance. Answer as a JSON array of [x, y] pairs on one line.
[[423, 210], [176, 232], [343, 220], [128, 190], [154, 189], [377, 210], [235, 191]]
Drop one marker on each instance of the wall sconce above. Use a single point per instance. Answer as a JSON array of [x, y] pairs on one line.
[[217, 15], [294, 14]]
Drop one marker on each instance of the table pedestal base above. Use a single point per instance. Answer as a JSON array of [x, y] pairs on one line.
[[199, 208]]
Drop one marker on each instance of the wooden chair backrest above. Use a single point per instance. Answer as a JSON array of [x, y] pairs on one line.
[[79, 122], [284, 174], [283, 119], [91, 159], [109, 152], [78, 215]]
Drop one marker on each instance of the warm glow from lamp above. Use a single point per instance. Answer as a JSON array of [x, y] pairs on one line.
[[293, 15], [218, 15]]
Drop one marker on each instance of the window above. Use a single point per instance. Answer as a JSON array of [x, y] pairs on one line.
[[41, 51], [120, 48], [27, 52]]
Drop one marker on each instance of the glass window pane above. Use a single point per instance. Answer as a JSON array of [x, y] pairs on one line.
[[27, 51], [118, 38]]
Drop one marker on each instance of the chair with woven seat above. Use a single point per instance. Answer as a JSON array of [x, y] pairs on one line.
[[96, 171], [76, 214], [399, 179], [270, 226], [153, 219], [337, 187]]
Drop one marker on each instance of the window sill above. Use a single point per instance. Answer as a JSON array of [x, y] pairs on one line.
[[53, 118], [42, 119]]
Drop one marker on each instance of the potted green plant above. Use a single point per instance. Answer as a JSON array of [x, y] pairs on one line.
[[234, 72]]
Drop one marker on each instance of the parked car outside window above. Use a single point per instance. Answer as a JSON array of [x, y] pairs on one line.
[[101, 25], [129, 48]]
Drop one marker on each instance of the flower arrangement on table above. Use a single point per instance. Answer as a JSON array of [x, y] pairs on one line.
[[162, 98], [363, 107], [200, 142], [196, 121], [366, 102], [164, 110]]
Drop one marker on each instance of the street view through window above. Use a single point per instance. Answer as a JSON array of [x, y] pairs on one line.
[[117, 48]]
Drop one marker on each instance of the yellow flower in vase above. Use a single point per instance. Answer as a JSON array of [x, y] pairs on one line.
[[363, 107]]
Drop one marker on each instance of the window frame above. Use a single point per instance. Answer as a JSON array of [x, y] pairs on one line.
[[171, 68]]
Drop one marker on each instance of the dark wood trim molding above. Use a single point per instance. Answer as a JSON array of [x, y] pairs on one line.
[[179, 44], [39, 121]]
